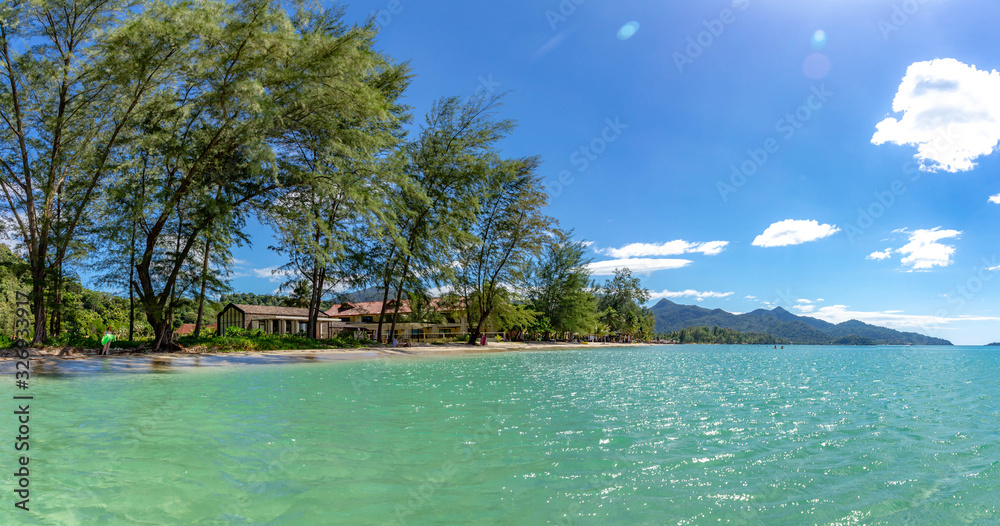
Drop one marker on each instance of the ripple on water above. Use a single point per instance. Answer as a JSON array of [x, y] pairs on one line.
[[678, 435]]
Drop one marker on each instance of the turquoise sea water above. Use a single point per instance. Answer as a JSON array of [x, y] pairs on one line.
[[653, 435]]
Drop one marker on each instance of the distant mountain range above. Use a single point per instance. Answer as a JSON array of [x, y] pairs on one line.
[[780, 323]]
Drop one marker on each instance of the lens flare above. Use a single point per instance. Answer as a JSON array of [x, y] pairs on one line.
[[816, 66], [628, 30], [819, 39]]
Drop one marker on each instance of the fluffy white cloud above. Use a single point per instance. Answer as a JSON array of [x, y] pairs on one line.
[[637, 265], [923, 252], [995, 199], [700, 296], [670, 248], [879, 256], [951, 112], [804, 309], [803, 301], [794, 232]]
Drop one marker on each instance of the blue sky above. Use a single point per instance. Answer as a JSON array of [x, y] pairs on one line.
[[843, 205]]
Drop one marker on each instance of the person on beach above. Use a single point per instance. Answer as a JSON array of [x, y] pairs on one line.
[[106, 341]]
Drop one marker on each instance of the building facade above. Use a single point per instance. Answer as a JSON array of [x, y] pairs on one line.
[[275, 320], [440, 321]]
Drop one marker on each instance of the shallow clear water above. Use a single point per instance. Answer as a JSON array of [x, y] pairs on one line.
[[655, 435]]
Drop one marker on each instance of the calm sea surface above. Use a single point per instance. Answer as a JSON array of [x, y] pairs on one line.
[[654, 435]]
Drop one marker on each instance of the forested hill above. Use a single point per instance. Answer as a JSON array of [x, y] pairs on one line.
[[782, 324]]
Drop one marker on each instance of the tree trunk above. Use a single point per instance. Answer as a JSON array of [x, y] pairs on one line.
[[201, 295], [399, 295], [131, 284], [38, 298], [475, 333], [315, 303], [390, 265]]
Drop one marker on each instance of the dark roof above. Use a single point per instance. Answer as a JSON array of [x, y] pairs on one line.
[[266, 310]]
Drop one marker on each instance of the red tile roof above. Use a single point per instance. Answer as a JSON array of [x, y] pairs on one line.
[[366, 308], [188, 328]]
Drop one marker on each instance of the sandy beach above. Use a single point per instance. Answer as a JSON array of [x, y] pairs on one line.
[[49, 361]]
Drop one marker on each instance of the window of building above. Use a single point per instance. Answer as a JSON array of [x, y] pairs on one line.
[[277, 327], [367, 319], [445, 331], [303, 327]]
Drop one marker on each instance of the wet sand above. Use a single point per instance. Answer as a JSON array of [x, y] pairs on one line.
[[47, 362]]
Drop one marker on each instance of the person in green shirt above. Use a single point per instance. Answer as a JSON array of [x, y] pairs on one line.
[[106, 341]]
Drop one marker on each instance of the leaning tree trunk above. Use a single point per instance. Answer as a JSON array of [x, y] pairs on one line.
[[201, 296], [399, 295]]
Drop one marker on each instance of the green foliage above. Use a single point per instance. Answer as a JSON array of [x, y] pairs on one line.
[[719, 335], [559, 286], [14, 277], [620, 302], [853, 339]]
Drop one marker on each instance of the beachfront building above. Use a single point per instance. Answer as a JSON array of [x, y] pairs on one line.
[[277, 320], [440, 321], [187, 329]]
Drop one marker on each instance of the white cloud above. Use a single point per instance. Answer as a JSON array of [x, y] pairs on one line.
[[751, 297], [670, 248], [803, 301], [794, 232], [879, 256], [951, 112], [272, 274], [995, 199], [923, 252], [689, 294], [804, 309], [637, 265], [892, 319]]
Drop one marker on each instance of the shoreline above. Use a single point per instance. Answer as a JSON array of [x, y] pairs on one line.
[[52, 363]]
